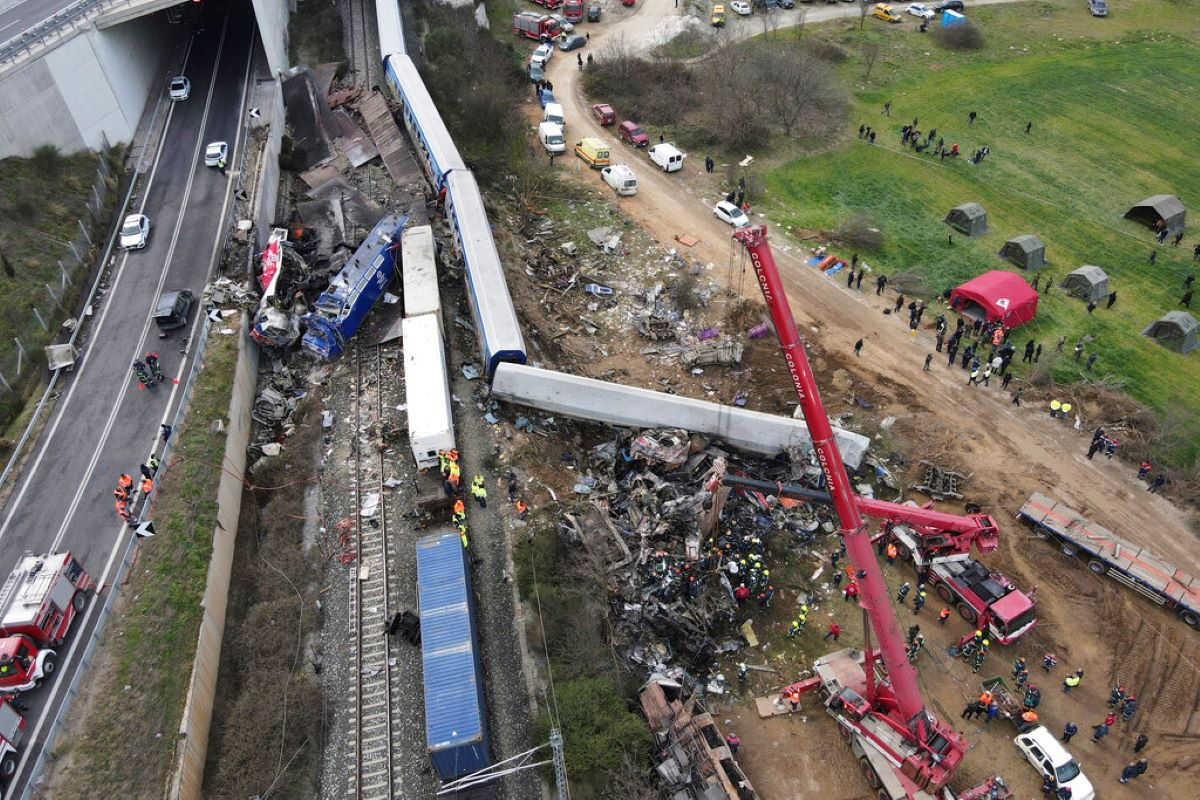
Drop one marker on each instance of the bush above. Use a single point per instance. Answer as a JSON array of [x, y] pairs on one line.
[[967, 36], [48, 159], [859, 231]]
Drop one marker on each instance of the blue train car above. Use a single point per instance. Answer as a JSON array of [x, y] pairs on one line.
[[354, 291], [436, 151], [456, 733], [496, 323], [391, 29]]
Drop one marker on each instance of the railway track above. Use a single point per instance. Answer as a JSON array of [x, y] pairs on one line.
[[362, 38], [374, 724]]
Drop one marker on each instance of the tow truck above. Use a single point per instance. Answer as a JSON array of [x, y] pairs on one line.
[[12, 730], [905, 752], [39, 601], [940, 546]]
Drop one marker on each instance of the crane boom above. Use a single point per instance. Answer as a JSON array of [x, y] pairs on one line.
[[942, 533], [940, 747]]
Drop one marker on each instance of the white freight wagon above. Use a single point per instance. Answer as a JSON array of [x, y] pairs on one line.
[[419, 257], [427, 389]]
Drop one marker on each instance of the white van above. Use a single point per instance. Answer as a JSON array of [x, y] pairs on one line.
[[551, 137], [667, 156], [554, 113], [621, 179]]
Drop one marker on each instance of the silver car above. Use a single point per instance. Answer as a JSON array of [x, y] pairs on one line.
[[180, 88], [135, 230], [215, 153]]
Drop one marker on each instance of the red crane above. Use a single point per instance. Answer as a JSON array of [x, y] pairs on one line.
[[929, 750]]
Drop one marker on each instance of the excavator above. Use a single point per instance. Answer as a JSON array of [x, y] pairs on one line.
[[904, 751]]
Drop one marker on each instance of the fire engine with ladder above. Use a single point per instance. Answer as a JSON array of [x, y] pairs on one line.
[[904, 751], [38, 603], [12, 730]]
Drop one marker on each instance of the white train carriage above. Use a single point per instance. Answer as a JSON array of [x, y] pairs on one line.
[[496, 324], [391, 29], [435, 149]]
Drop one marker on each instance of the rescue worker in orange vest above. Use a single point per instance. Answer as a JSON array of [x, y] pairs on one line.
[[460, 509], [122, 510], [146, 485], [892, 552], [125, 482], [985, 697], [522, 509], [943, 615], [120, 494], [998, 337], [1029, 719]]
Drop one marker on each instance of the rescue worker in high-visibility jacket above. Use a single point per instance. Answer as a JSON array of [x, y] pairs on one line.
[[479, 491]]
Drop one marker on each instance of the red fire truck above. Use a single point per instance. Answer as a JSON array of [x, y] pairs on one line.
[[38, 603], [12, 730]]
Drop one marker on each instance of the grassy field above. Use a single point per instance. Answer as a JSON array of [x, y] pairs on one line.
[[125, 739], [1112, 102]]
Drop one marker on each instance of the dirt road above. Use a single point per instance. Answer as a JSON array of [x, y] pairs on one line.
[[1010, 451]]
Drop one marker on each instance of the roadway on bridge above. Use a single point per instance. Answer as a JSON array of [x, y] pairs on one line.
[[102, 424]]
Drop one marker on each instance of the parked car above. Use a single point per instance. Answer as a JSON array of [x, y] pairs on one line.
[[215, 153], [740, 7], [919, 10], [563, 24], [135, 230], [572, 42], [949, 5], [604, 113], [627, 2], [593, 12], [542, 53], [1099, 8], [180, 88], [630, 132], [718, 17], [546, 97], [787, 3], [728, 212], [886, 13], [551, 136], [1049, 757]]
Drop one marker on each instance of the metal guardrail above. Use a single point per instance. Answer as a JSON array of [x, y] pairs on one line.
[[37, 36]]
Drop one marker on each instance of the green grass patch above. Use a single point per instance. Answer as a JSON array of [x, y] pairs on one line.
[[41, 200], [1112, 104], [125, 740]]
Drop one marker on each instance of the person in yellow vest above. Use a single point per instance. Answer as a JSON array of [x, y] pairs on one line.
[[442, 462], [462, 534], [1054, 407], [479, 491], [1066, 409]]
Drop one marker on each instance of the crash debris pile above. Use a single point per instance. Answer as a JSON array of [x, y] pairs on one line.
[[608, 281], [940, 483], [687, 566], [694, 760]]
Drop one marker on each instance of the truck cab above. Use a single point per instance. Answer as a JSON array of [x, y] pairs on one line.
[[12, 731], [41, 597], [573, 10], [23, 665]]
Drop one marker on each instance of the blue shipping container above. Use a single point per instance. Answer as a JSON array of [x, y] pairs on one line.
[[455, 716]]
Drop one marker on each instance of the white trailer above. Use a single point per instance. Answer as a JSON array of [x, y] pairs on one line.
[[419, 257], [427, 389]]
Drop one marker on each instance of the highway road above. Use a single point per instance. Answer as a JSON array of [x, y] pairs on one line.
[[103, 424], [18, 16]]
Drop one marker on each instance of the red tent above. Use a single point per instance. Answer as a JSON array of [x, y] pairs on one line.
[[996, 296]]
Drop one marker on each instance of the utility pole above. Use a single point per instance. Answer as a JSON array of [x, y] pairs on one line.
[[560, 764]]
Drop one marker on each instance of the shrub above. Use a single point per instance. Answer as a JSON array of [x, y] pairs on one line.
[[48, 159], [859, 231], [967, 36]]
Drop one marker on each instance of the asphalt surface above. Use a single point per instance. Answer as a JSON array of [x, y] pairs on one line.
[[103, 424], [18, 16]]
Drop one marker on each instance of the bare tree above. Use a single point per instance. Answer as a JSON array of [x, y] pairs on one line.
[[864, 9], [770, 19], [798, 88], [870, 54]]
